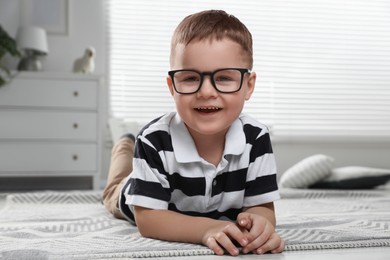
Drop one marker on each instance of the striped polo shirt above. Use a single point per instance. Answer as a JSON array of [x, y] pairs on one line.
[[168, 172]]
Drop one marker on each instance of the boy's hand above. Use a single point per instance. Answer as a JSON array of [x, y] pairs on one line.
[[222, 238], [261, 234]]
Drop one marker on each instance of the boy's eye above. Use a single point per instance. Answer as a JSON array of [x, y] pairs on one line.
[[190, 78], [187, 76], [223, 78]]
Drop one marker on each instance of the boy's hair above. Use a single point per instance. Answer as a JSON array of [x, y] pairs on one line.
[[213, 25]]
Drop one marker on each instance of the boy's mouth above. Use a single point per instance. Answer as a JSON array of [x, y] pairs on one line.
[[207, 109]]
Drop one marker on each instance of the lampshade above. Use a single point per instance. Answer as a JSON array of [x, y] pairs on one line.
[[32, 38]]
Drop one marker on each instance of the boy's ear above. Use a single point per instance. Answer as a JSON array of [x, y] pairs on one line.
[[250, 85], [170, 85]]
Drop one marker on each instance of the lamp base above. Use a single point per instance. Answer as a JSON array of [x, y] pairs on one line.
[[30, 63]]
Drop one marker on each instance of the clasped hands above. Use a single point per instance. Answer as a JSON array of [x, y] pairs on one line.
[[254, 233]]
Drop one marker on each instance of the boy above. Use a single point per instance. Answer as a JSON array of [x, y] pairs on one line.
[[205, 174]]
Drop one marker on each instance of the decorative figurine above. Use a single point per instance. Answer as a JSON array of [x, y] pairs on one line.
[[85, 64]]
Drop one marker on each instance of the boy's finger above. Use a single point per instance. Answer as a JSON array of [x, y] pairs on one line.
[[235, 233], [275, 245], [243, 220], [224, 241], [213, 245], [280, 248], [258, 241]]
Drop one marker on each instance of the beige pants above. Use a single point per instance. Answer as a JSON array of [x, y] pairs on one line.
[[120, 167]]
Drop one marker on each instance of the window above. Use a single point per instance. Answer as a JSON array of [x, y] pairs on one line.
[[323, 66]]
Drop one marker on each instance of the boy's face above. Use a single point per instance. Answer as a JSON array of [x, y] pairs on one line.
[[209, 112]]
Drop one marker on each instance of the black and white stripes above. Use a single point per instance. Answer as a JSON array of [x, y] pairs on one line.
[[169, 174]]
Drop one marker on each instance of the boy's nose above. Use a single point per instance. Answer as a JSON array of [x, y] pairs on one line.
[[207, 89]]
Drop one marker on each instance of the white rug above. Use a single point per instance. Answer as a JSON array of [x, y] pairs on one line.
[[75, 225]]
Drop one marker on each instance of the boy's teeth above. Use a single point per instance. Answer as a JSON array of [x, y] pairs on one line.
[[207, 108]]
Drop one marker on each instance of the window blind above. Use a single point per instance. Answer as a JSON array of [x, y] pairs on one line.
[[323, 66]]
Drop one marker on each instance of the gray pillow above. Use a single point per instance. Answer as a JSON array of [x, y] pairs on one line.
[[354, 177]]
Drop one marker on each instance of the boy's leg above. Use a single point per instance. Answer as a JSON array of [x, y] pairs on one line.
[[120, 167]]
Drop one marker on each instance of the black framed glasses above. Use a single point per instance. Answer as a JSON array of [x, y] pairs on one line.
[[227, 80]]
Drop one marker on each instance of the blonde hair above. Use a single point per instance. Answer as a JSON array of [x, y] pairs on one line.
[[213, 25]]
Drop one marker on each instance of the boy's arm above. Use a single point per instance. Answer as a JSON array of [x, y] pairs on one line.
[[172, 226], [266, 210]]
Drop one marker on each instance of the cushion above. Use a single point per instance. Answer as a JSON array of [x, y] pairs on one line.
[[354, 177], [307, 172]]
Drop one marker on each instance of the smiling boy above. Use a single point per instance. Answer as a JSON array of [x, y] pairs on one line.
[[205, 174]]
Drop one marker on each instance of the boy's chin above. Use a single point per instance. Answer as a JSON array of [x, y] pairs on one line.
[[209, 129]]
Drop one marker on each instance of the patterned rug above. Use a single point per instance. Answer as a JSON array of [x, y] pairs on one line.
[[318, 219], [75, 225]]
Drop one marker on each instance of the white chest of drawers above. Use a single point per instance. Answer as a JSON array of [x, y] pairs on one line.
[[52, 125]]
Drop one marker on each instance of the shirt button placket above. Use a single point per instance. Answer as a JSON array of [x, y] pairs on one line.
[[209, 173]]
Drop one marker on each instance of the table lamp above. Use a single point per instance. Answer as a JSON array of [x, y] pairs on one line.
[[32, 41]]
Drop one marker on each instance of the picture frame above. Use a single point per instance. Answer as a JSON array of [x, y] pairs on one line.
[[51, 15]]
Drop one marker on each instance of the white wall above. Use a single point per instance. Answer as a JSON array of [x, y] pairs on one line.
[[87, 28]]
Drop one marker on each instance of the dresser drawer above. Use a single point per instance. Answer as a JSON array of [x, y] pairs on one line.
[[48, 92], [60, 125], [47, 157]]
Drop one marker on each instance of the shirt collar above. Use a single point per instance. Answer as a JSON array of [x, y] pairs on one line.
[[184, 146], [235, 139], [182, 142]]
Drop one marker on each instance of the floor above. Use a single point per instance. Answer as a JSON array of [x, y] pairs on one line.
[[373, 253]]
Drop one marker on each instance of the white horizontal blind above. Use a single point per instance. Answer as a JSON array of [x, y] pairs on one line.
[[323, 66]]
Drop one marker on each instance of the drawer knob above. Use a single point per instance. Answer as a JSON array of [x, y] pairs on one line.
[[75, 93], [75, 125], [75, 157]]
